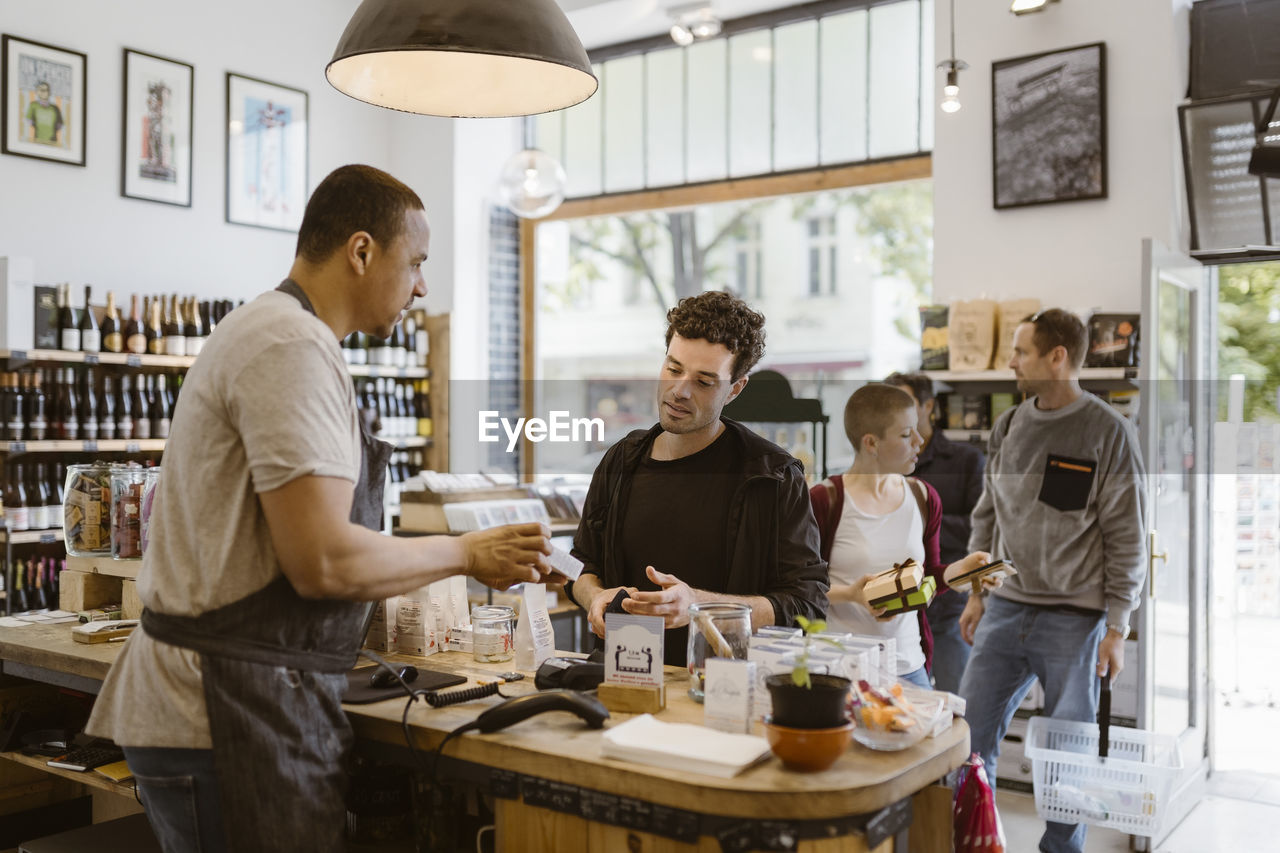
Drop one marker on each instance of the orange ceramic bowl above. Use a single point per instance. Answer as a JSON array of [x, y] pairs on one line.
[[808, 750]]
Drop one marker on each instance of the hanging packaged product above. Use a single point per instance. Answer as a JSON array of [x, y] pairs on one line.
[[535, 639]]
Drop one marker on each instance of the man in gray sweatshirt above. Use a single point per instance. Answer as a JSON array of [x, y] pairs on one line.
[[1065, 501]]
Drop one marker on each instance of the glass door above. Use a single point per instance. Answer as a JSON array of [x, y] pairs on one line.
[[1174, 425]]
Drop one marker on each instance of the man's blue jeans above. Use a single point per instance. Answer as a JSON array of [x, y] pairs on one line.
[[179, 790], [1015, 644], [950, 651]]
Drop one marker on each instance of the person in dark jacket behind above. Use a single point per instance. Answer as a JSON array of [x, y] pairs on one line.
[[955, 472], [699, 508]]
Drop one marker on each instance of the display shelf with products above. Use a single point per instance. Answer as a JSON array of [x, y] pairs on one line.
[[768, 406]]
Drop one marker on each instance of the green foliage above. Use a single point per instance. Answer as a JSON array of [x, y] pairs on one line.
[[800, 672], [1249, 335]]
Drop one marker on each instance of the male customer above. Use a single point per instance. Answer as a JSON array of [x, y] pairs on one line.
[[700, 508], [228, 700], [1065, 501], [954, 469]]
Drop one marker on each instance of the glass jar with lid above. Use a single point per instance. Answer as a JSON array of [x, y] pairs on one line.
[[717, 629], [86, 509], [493, 633]]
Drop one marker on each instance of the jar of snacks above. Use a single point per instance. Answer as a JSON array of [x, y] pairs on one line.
[[493, 633], [86, 509], [126, 513], [151, 479]]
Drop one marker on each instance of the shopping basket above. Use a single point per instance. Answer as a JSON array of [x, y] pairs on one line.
[[1128, 789]]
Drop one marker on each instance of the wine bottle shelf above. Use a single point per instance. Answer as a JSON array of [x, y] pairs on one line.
[[381, 370], [128, 359], [1086, 373], [22, 537], [111, 445], [407, 443], [967, 434]]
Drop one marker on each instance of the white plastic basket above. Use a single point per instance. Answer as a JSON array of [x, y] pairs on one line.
[[1128, 790]]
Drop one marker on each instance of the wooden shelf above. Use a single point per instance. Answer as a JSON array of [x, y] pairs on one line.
[[128, 359], [967, 434], [110, 445], [377, 370], [406, 443], [1086, 374], [105, 564], [20, 537], [84, 777]]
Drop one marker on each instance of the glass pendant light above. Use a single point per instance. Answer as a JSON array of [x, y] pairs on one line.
[[953, 67], [532, 182]]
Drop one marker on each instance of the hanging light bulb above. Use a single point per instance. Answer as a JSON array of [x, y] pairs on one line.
[[953, 67], [951, 93], [532, 183]]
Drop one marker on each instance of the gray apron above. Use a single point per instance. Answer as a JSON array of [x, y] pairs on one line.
[[274, 668]]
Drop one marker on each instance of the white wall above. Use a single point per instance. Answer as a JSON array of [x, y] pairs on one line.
[[1077, 254], [73, 222]]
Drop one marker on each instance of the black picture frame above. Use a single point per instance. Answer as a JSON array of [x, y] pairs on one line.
[[157, 128], [1049, 127], [28, 66], [267, 153]]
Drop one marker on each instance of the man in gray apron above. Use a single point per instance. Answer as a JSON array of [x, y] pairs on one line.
[[228, 701]]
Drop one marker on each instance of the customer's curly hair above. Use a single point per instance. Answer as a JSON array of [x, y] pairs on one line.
[[721, 318]]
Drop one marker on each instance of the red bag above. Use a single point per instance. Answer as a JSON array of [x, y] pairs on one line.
[[976, 823]]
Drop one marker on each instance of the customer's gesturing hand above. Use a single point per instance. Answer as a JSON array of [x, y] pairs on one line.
[[671, 602], [502, 556]]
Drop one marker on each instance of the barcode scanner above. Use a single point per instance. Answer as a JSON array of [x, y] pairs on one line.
[[518, 708]]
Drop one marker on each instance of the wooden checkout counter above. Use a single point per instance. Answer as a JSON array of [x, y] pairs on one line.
[[554, 792]]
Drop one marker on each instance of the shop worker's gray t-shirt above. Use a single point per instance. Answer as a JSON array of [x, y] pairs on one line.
[[268, 400]]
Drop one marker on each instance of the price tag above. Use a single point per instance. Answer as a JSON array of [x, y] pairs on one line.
[[132, 447], [48, 537], [133, 360], [17, 447], [90, 447], [18, 354], [91, 358]]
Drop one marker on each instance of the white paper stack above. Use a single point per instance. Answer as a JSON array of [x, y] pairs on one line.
[[683, 746]]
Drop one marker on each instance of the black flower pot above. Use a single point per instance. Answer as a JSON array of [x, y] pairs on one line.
[[821, 706]]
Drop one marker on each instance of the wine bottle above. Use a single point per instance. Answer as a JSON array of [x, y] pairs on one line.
[[71, 405], [16, 512], [19, 603], [360, 348], [195, 328], [155, 330], [159, 409], [141, 407], [35, 587], [175, 343], [380, 351], [37, 415], [106, 410], [37, 500], [68, 328], [135, 337], [90, 334], [124, 410], [206, 318], [89, 407], [410, 340], [424, 342], [112, 330], [399, 350], [15, 409], [52, 494]]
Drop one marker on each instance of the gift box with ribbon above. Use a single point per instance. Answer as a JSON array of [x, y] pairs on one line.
[[902, 588]]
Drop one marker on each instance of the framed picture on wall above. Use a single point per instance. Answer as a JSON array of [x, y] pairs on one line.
[[266, 153], [155, 161], [1049, 127], [43, 114]]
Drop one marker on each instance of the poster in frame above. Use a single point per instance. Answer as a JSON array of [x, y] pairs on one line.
[[44, 94], [1049, 127], [266, 153], [155, 157]]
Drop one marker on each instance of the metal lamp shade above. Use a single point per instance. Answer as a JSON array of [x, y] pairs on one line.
[[462, 58]]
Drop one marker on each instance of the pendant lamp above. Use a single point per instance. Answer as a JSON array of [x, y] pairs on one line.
[[462, 58]]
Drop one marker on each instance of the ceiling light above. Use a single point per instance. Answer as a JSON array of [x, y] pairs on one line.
[[953, 67], [1025, 7], [462, 58], [532, 183], [693, 22]]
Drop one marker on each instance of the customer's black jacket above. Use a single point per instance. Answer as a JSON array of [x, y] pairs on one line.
[[771, 540], [954, 469]]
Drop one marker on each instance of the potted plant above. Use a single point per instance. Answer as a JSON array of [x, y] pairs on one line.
[[810, 725]]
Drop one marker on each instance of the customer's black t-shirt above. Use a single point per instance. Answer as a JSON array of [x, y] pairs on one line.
[[676, 517]]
